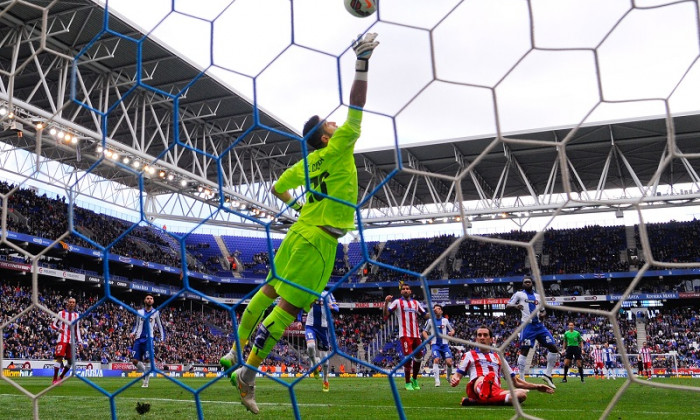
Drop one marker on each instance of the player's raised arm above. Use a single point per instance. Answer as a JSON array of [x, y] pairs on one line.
[[385, 308], [363, 48]]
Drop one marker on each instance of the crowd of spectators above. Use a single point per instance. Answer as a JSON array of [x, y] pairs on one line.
[[45, 217], [674, 242], [592, 249], [202, 336], [192, 336]]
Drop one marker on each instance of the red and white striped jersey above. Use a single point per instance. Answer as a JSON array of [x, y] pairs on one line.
[[645, 352], [597, 355], [407, 311], [62, 325], [476, 364]]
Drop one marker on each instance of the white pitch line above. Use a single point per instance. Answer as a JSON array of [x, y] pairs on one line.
[[412, 407]]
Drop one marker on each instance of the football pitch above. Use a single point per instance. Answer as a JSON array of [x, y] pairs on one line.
[[349, 398]]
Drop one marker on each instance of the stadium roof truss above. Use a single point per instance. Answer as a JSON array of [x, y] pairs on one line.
[[516, 179]]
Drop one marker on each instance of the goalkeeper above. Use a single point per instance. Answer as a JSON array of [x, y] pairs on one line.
[[307, 253]]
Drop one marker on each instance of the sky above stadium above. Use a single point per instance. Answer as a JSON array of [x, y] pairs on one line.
[[445, 69]]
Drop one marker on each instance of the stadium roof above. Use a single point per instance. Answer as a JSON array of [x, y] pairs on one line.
[[39, 59]]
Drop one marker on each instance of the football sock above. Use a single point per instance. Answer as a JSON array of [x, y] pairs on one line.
[[521, 365], [311, 351], [552, 359], [566, 371], [251, 317], [416, 368], [436, 371], [325, 365], [140, 367], [66, 368], [56, 367], [449, 372], [269, 332], [407, 371], [580, 371]]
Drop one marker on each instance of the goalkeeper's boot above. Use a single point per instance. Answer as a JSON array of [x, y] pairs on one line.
[[326, 386], [228, 360], [548, 380], [246, 391], [414, 383], [409, 386]]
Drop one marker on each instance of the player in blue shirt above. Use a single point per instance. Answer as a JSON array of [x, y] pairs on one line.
[[317, 343], [609, 360], [143, 335], [439, 345], [526, 301]]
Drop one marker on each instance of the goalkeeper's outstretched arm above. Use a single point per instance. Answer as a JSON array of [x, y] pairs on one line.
[[363, 48]]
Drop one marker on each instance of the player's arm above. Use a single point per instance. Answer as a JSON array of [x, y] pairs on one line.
[[333, 304], [421, 309], [132, 334], [54, 323], [450, 330], [460, 371], [159, 323], [78, 336], [363, 48], [287, 197], [427, 329], [456, 377], [519, 383], [385, 308], [514, 302]]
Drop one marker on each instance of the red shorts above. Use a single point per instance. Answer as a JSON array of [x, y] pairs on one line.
[[490, 392], [409, 344], [647, 365], [599, 365], [63, 350]]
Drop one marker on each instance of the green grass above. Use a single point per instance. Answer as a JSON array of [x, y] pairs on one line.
[[350, 398]]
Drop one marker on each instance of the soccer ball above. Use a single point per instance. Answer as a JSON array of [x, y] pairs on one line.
[[361, 8]]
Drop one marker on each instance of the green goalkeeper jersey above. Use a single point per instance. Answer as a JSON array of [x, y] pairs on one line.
[[573, 338], [332, 171]]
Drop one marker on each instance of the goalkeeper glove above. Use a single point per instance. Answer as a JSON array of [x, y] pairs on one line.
[[363, 48], [295, 205]]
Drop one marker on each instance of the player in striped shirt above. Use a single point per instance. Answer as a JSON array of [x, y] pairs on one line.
[[439, 345], [407, 312], [317, 332], [485, 370], [645, 357], [609, 360], [143, 334], [65, 323], [597, 356]]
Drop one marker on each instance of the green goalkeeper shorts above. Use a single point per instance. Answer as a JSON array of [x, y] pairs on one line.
[[305, 258]]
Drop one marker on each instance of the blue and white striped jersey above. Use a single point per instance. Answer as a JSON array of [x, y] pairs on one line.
[[529, 302], [154, 321], [444, 326], [317, 314]]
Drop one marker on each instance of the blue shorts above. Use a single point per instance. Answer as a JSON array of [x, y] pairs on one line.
[[536, 332], [441, 350], [318, 334], [140, 349], [609, 365]]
